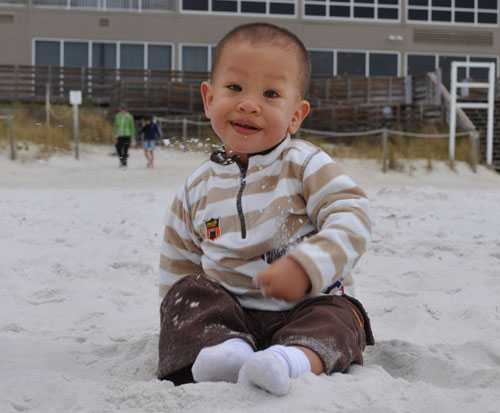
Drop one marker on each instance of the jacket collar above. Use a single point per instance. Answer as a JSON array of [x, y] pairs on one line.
[[222, 158]]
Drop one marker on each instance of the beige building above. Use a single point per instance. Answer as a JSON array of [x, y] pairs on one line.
[[363, 37]]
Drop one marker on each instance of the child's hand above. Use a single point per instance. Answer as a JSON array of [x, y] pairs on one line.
[[284, 279]]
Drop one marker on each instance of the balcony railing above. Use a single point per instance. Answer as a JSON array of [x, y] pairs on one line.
[[101, 5], [20, 3]]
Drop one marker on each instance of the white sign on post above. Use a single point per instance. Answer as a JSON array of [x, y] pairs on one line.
[[75, 97]]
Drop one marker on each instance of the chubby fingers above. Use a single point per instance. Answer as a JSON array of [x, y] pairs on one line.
[[263, 281]]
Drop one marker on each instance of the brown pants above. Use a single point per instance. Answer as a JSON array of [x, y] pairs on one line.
[[197, 313]]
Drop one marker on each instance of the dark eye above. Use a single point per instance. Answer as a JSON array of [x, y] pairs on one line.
[[234, 87], [271, 94]]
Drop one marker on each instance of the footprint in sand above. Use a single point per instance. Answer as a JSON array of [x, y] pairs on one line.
[[12, 328], [46, 296], [129, 358], [134, 267], [448, 366]]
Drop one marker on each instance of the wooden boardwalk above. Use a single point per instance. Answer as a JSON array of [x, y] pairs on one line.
[[339, 103], [179, 91]]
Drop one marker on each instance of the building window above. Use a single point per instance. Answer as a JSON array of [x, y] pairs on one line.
[[353, 9], [196, 5], [322, 63], [131, 56], [383, 64], [420, 64], [84, 3], [454, 11], [351, 63], [195, 58], [255, 7], [225, 6], [47, 53], [159, 57], [104, 55], [76, 54], [481, 74], [444, 63]]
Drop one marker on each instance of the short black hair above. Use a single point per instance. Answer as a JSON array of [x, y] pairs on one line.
[[268, 33]]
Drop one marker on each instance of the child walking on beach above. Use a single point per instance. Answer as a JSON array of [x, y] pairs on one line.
[[258, 242], [151, 133]]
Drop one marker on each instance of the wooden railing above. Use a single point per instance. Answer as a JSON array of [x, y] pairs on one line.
[[176, 91], [157, 96], [363, 117], [29, 83]]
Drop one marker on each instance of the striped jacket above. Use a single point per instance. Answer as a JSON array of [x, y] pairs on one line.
[[230, 221]]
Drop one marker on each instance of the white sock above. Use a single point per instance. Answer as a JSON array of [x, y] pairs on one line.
[[221, 362], [273, 368]]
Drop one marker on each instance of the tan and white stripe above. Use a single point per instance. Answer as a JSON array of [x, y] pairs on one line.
[[293, 191]]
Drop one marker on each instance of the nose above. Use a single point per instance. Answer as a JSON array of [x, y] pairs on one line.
[[249, 106]]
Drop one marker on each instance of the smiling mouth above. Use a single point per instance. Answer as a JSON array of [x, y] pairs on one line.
[[245, 126]]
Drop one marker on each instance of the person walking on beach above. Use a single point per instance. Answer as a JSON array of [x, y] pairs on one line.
[[123, 130], [150, 132]]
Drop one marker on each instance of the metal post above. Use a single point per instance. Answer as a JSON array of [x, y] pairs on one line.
[[184, 128], [76, 131], [491, 105], [10, 136], [453, 112], [385, 149]]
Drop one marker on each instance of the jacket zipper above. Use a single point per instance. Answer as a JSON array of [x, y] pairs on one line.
[[243, 170]]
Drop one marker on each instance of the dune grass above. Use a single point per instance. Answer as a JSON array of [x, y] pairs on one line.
[[29, 127], [401, 149]]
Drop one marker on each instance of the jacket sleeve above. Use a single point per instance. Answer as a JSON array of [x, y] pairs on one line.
[[180, 249], [131, 125], [156, 130], [339, 209]]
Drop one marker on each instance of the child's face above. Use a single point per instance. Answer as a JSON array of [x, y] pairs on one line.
[[254, 98]]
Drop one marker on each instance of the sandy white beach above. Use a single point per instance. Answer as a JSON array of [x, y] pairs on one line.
[[79, 246]]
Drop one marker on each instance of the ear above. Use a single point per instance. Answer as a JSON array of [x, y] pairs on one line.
[[207, 97], [302, 110]]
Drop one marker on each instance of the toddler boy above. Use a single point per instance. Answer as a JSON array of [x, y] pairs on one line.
[[260, 239]]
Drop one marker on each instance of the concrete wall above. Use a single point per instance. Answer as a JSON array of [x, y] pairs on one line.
[[20, 25]]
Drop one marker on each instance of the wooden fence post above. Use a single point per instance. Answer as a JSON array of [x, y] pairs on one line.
[[10, 136], [474, 149], [76, 131], [82, 80], [16, 86], [191, 98], [385, 149], [408, 89], [47, 105]]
